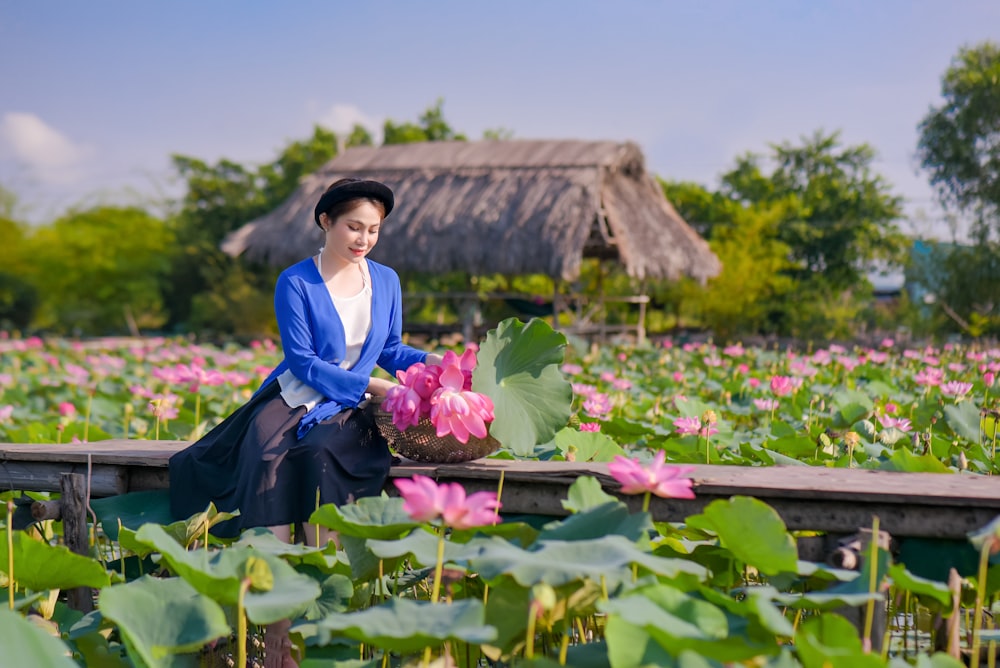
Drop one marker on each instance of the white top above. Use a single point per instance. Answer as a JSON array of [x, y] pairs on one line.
[[356, 315]]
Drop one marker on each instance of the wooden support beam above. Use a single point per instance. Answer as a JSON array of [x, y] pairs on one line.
[[105, 480], [73, 507]]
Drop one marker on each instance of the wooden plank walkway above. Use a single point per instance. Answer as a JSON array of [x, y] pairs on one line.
[[808, 498]]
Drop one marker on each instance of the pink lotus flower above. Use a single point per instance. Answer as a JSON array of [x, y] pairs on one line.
[[678, 376], [459, 412], [887, 343], [988, 378], [426, 501], [6, 413], [572, 369], [956, 388], [754, 383], [467, 363], [664, 480], [66, 409], [928, 376], [766, 404], [691, 425], [598, 405], [902, 424], [782, 386], [590, 426], [404, 404], [891, 408]]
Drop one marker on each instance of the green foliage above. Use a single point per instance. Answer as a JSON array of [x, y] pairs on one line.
[[100, 270], [231, 294], [18, 302], [431, 127], [809, 226], [25, 644], [960, 139], [518, 369]]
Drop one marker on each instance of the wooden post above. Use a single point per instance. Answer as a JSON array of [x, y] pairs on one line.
[[73, 508]]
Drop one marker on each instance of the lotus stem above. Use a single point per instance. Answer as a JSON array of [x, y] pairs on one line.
[[977, 615], [529, 639], [86, 422], [563, 647], [872, 585], [438, 568], [241, 617], [10, 554]]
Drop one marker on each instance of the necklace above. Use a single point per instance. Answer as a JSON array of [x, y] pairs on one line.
[[319, 267]]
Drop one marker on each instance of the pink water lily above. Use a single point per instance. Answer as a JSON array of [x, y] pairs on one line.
[[956, 388], [426, 501], [782, 386], [405, 405], [668, 481], [901, 423], [457, 411]]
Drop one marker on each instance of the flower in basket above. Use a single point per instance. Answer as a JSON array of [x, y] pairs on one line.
[[442, 393], [509, 391]]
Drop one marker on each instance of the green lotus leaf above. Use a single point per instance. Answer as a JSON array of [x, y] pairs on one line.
[[379, 517], [25, 644], [162, 617], [40, 566], [586, 492], [219, 573], [964, 419], [133, 510], [404, 625], [560, 562], [611, 518], [586, 446], [831, 640], [518, 368], [769, 547]]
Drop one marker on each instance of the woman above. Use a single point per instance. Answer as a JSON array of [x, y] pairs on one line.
[[302, 440]]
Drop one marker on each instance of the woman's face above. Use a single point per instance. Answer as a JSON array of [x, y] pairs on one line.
[[353, 234]]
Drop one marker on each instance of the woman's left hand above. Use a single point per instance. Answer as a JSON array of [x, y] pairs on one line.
[[379, 386]]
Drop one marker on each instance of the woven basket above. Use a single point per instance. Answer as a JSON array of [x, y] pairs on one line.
[[422, 444]]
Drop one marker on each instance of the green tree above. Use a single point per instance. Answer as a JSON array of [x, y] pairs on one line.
[[431, 127], [18, 297], [809, 219], [959, 145], [219, 199], [99, 271], [747, 296], [960, 139]]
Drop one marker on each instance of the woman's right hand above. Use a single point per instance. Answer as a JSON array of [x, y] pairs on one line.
[[379, 386]]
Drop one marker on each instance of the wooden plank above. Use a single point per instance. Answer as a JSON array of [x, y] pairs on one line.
[[105, 480], [813, 498]]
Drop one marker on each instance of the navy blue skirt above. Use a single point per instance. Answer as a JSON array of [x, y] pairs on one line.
[[253, 462]]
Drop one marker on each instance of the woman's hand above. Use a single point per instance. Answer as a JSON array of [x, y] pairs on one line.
[[379, 386], [433, 359]]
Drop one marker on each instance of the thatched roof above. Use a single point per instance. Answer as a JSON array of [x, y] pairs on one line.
[[508, 207]]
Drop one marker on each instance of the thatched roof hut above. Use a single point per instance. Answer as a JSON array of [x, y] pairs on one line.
[[508, 207]]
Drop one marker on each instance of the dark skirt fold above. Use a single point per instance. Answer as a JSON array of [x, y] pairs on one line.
[[253, 462]]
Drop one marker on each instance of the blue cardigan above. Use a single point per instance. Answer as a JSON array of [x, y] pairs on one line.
[[313, 340]]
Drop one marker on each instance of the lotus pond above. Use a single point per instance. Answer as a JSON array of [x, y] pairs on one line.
[[601, 587]]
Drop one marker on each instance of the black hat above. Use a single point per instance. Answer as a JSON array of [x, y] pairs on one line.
[[348, 189]]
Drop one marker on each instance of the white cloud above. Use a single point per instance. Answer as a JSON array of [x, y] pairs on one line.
[[341, 118], [48, 154]]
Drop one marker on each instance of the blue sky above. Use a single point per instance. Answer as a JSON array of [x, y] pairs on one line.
[[96, 96]]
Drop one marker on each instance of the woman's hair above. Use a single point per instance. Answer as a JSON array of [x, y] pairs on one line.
[[342, 206]]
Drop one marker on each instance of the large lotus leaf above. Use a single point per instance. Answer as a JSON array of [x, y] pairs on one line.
[[162, 617], [218, 574], [132, 510], [679, 621], [769, 547], [40, 566], [559, 562], [851, 593], [262, 540], [904, 579], [335, 595], [24, 644], [518, 368], [586, 492], [586, 446], [379, 517], [631, 646], [365, 565], [404, 625], [830, 640], [904, 460], [964, 419], [609, 518], [423, 546]]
